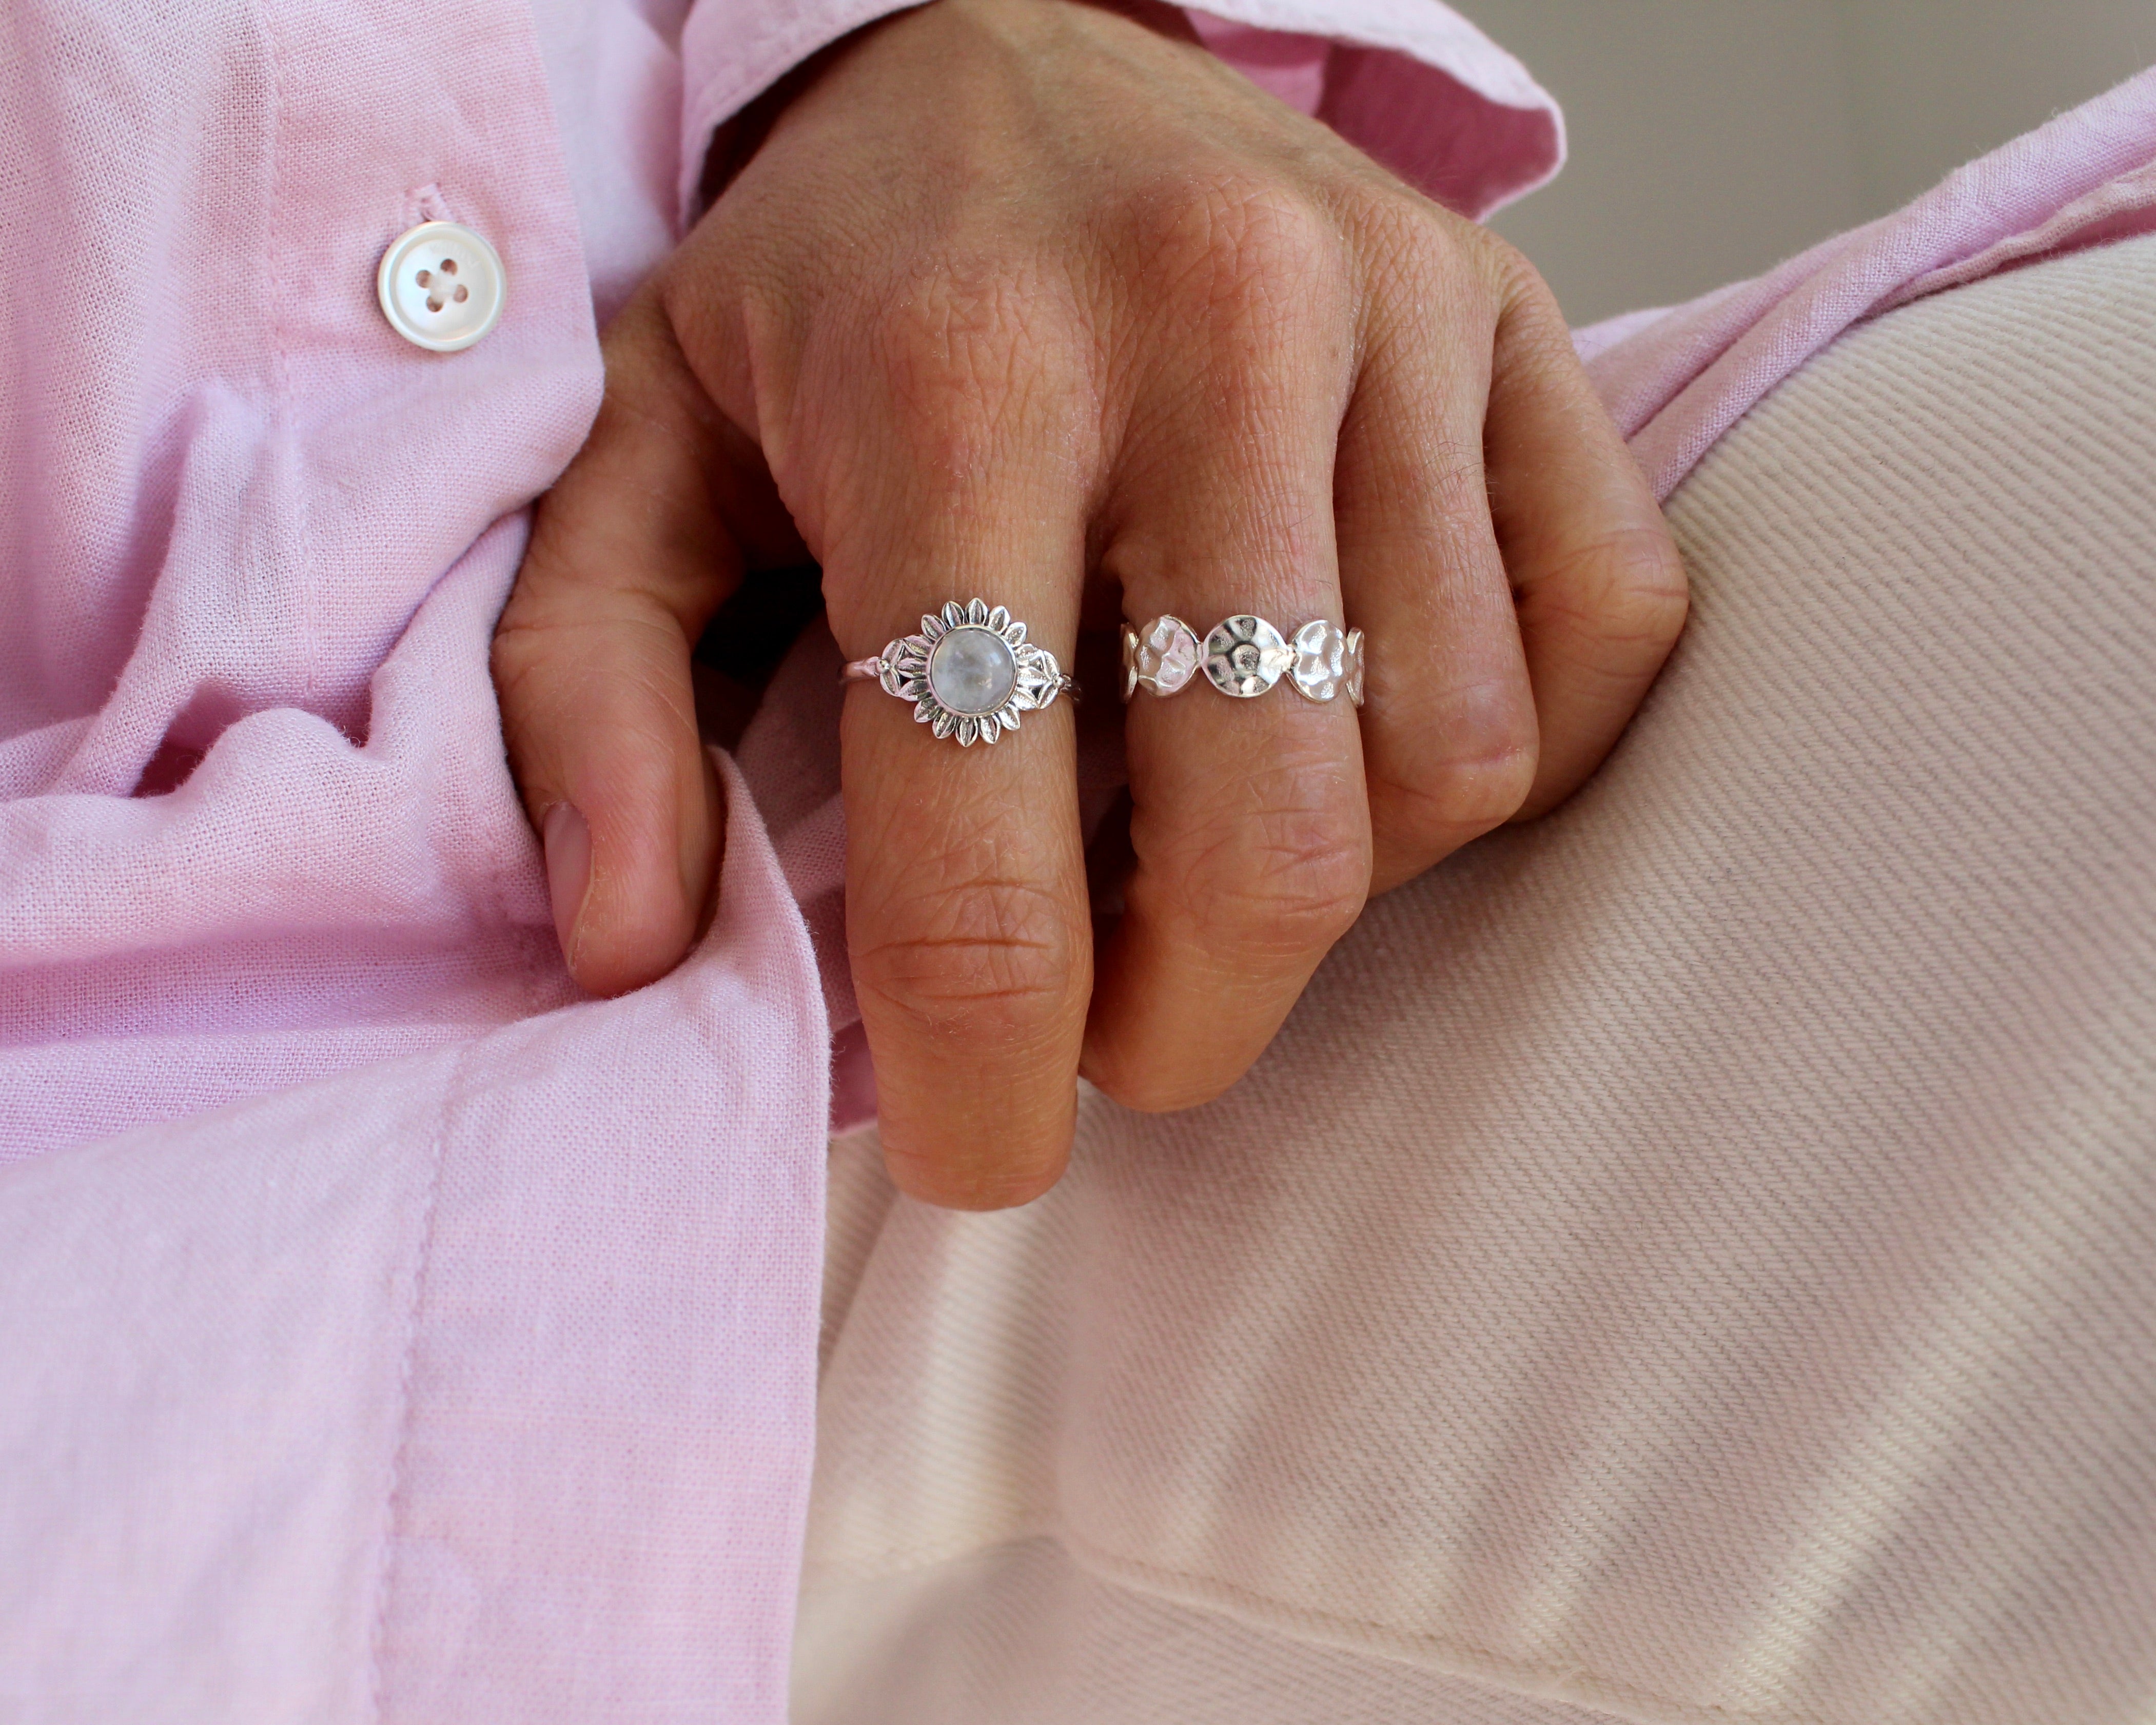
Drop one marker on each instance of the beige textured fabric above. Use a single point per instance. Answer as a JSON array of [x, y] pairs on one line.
[[1693, 1260]]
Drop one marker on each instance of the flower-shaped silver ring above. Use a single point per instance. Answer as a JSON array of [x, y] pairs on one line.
[[1243, 656], [969, 673]]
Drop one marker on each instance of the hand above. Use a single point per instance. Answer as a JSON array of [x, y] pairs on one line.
[[1014, 292]]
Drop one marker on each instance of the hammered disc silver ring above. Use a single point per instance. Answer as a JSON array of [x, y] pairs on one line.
[[970, 672], [1243, 656]]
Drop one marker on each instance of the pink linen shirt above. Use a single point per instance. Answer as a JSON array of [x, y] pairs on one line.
[[386, 1332], [390, 1334]]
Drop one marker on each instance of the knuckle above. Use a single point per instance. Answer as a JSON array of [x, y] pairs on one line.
[[1415, 247], [1626, 592], [1646, 595], [1289, 878], [1232, 244], [1150, 1081], [1511, 278], [1001, 1183], [1508, 265], [1533, 320], [1476, 778], [961, 340], [999, 961], [1446, 802]]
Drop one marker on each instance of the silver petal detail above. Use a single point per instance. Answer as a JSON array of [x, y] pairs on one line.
[[1038, 682], [1130, 661], [906, 668], [1353, 652]]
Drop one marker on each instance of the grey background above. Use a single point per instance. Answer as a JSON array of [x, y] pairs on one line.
[[1711, 138]]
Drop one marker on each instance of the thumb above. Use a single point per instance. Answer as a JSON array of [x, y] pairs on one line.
[[629, 556]]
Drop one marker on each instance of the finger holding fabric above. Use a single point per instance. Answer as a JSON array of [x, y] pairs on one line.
[[632, 552]]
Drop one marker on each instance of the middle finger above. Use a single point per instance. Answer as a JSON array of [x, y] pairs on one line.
[[1250, 819]]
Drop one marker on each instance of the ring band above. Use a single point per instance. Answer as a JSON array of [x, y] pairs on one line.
[[969, 673], [1243, 656]]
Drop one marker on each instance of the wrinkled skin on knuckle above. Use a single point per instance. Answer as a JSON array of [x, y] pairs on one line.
[[1280, 876], [547, 684], [957, 375], [993, 1181], [975, 954], [1628, 591], [1512, 282], [1233, 256], [1443, 800], [1262, 903], [517, 652], [969, 344], [1425, 277], [1153, 1079], [1534, 330], [1421, 259]]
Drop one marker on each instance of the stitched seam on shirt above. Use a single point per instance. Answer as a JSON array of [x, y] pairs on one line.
[[1204, 1593], [392, 1504], [1579, 1685]]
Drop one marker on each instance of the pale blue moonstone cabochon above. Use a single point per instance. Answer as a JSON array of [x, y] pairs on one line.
[[972, 670]]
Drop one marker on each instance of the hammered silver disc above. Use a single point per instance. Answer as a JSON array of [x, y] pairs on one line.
[[1163, 657], [1245, 656], [1320, 660]]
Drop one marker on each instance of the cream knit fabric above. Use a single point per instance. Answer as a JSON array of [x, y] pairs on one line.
[[1691, 1259]]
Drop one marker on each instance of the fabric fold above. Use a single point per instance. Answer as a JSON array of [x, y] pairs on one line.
[[1678, 380]]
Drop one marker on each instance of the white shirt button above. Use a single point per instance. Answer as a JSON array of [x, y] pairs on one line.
[[441, 286]]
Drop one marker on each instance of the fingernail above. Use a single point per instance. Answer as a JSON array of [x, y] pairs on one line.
[[569, 842]]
